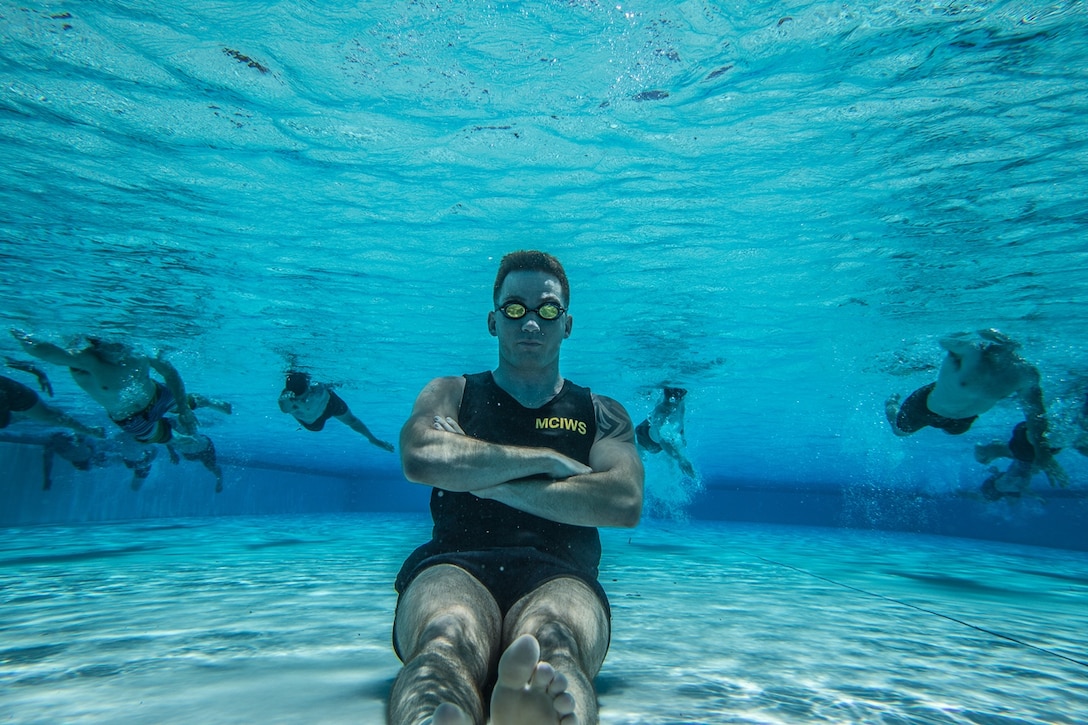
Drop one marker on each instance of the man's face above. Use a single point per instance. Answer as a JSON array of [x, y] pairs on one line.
[[529, 341]]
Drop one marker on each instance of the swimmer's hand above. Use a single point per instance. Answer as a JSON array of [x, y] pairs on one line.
[[448, 424], [22, 336], [568, 467], [26, 367], [891, 412], [187, 423]]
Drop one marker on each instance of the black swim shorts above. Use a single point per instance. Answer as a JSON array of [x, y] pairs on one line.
[[642, 436], [508, 573], [14, 397], [914, 415]]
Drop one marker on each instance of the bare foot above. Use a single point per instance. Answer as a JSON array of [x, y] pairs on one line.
[[447, 714], [528, 691]]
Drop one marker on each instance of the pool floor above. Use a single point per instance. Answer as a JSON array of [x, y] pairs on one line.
[[287, 620]]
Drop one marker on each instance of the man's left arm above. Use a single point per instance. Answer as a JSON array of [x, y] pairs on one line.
[[611, 495]]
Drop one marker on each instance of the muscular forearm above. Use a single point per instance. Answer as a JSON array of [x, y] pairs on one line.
[[593, 499], [456, 462]]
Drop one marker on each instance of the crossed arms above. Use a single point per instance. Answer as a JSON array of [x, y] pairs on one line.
[[608, 492]]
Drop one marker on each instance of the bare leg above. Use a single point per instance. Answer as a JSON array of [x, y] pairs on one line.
[[447, 630], [569, 622], [987, 452]]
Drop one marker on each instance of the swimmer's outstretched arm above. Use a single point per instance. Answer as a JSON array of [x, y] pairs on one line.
[[47, 351]]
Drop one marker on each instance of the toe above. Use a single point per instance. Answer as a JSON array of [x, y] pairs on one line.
[[518, 663]]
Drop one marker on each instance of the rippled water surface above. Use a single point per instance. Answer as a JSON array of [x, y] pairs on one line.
[[779, 205]]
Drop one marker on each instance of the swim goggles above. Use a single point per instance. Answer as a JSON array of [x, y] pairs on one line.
[[515, 311]]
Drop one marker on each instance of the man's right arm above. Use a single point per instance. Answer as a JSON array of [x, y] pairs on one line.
[[439, 455], [172, 379], [47, 351]]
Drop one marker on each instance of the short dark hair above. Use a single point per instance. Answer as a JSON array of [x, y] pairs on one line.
[[528, 260], [297, 382]]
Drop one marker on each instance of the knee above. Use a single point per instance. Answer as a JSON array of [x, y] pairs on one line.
[[452, 637], [447, 630], [556, 636]]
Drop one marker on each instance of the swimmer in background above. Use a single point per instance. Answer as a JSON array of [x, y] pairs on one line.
[[85, 453], [976, 374], [119, 379], [79, 450], [1015, 480], [663, 430], [197, 447], [312, 404], [18, 402]]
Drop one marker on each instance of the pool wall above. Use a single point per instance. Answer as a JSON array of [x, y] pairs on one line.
[[1061, 520]]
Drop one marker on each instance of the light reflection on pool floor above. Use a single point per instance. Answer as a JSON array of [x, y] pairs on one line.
[[286, 620]]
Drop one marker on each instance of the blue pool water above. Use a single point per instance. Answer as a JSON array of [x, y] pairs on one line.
[[780, 206]]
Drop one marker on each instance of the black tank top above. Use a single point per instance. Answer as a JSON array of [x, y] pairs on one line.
[[567, 424]]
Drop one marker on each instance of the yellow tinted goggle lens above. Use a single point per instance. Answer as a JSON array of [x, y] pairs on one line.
[[514, 311], [547, 311]]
